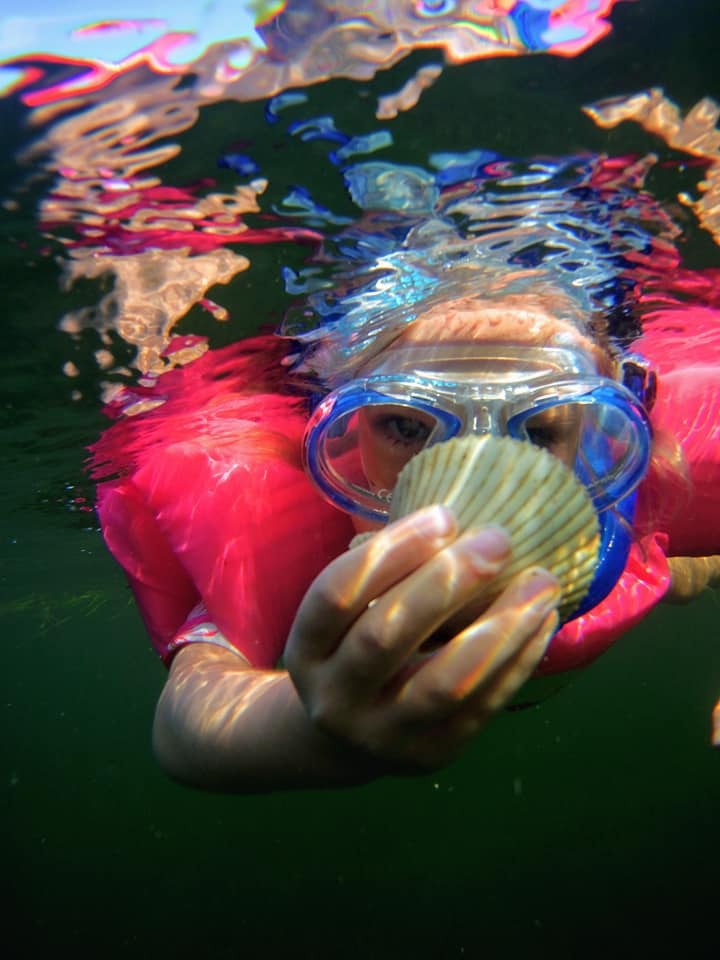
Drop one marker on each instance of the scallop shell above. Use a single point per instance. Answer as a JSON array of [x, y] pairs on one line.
[[544, 508]]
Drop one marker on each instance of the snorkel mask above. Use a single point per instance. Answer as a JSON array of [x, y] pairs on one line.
[[363, 433]]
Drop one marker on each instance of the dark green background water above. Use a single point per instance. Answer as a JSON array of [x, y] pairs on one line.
[[586, 827]]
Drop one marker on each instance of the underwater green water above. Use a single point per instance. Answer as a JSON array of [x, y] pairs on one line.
[[585, 827]]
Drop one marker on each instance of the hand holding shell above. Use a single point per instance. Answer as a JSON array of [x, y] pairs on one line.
[[536, 498]]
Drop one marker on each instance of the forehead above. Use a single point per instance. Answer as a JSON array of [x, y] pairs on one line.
[[520, 320]]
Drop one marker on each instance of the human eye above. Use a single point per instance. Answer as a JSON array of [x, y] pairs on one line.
[[398, 427], [556, 430], [405, 431], [542, 436]]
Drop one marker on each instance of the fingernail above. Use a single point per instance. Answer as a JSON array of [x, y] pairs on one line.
[[539, 589], [435, 521], [491, 544]]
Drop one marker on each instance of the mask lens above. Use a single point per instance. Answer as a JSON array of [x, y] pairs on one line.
[[339, 451], [558, 429], [389, 436], [357, 451], [605, 443]]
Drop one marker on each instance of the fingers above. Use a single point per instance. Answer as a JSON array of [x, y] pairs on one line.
[[343, 591], [390, 632], [519, 669], [491, 657], [468, 718]]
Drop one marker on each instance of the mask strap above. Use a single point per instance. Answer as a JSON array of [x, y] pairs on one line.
[[639, 379]]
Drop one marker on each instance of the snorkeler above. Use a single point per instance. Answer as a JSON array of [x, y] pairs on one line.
[[236, 504]]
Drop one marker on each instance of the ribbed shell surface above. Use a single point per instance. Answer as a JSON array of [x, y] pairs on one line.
[[544, 508]]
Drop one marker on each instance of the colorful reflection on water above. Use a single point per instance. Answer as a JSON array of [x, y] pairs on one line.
[[110, 123], [250, 50]]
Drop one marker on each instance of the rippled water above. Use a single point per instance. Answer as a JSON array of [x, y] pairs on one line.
[[586, 827]]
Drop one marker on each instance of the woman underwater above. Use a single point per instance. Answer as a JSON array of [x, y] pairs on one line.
[[539, 300]]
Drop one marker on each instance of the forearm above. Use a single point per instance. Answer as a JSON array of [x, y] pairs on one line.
[[222, 725]]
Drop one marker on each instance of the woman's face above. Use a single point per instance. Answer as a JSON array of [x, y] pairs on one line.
[[390, 435]]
